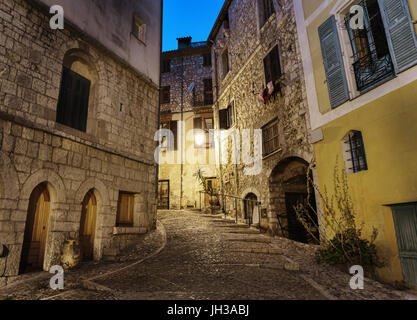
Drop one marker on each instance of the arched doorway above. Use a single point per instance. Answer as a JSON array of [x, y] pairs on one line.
[[88, 225], [288, 188], [36, 230], [251, 209]]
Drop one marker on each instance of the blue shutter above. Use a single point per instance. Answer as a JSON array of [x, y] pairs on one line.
[[333, 63], [400, 33]]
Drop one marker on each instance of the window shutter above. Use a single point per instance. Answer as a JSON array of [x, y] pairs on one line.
[[400, 32], [333, 63], [223, 119], [83, 111], [198, 123], [73, 101], [275, 64]]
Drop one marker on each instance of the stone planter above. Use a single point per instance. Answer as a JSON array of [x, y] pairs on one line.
[[71, 254]]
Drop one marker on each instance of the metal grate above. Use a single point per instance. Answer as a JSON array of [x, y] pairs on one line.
[[372, 59]]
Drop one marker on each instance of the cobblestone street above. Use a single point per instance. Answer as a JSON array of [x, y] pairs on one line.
[[205, 257]]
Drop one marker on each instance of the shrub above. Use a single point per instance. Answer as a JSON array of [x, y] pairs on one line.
[[343, 241]]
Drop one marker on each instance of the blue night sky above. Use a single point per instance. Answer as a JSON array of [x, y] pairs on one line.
[[183, 18]]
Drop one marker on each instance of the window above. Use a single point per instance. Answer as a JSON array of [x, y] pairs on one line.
[[372, 59], [225, 63], [385, 47], [125, 209], [73, 100], [270, 138], [226, 22], [139, 29], [227, 117], [207, 60], [266, 10], [208, 91], [354, 152], [205, 123], [166, 66], [272, 66], [173, 127], [166, 95]]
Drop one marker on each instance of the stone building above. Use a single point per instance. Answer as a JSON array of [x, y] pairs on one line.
[[78, 112], [256, 53], [186, 110]]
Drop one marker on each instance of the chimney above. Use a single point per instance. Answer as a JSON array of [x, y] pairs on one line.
[[184, 43]]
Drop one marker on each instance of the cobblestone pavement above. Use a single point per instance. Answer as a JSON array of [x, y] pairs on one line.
[[206, 257]]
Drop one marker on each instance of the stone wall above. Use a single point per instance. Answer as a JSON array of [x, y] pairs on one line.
[[248, 44], [186, 67], [115, 154]]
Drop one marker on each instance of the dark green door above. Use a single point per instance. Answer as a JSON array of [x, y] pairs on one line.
[[405, 219]]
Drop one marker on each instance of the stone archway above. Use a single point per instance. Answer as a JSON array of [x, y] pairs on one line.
[[288, 187]]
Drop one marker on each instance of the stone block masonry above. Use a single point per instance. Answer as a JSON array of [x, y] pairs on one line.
[[247, 42], [115, 154]]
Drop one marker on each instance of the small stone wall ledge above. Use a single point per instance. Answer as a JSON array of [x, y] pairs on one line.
[[131, 230]]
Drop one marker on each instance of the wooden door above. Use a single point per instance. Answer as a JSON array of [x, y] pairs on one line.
[[163, 195], [36, 230], [210, 183], [88, 225], [250, 208], [405, 218]]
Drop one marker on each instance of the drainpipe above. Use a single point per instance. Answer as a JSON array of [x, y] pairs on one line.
[[216, 109], [159, 106], [182, 129]]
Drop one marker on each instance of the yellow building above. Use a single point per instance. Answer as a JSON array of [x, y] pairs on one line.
[[361, 77]]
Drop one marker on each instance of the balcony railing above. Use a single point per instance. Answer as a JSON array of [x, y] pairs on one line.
[[369, 70]]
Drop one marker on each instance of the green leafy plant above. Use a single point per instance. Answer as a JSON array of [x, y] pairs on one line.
[[342, 240]]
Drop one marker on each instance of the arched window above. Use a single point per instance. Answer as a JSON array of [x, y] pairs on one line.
[[354, 152], [76, 97]]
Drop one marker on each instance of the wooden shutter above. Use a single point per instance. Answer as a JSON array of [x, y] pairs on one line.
[[267, 69], [333, 63], [223, 114], [74, 96], [400, 32], [405, 218], [198, 123], [126, 208], [208, 91]]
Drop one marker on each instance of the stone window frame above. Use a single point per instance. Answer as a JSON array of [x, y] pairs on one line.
[[260, 14], [139, 29], [166, 66], [225, 62], [269, 125], [135, 227], [75, 59]]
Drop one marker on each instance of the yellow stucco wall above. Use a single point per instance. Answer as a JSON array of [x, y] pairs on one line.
[[389, 128], [172, 172]]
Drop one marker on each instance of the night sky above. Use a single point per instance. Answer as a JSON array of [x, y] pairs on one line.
[[194, 18]]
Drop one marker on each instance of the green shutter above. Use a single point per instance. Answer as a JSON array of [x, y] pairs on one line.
[[405, 219], [333, 63], [400, 33]]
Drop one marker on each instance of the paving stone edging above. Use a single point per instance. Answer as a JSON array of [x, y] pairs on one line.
[[89, 284]]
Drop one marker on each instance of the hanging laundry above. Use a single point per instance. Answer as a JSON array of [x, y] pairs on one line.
[[271, 88]]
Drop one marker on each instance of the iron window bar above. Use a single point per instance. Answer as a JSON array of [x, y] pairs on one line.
[[372, 60]]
